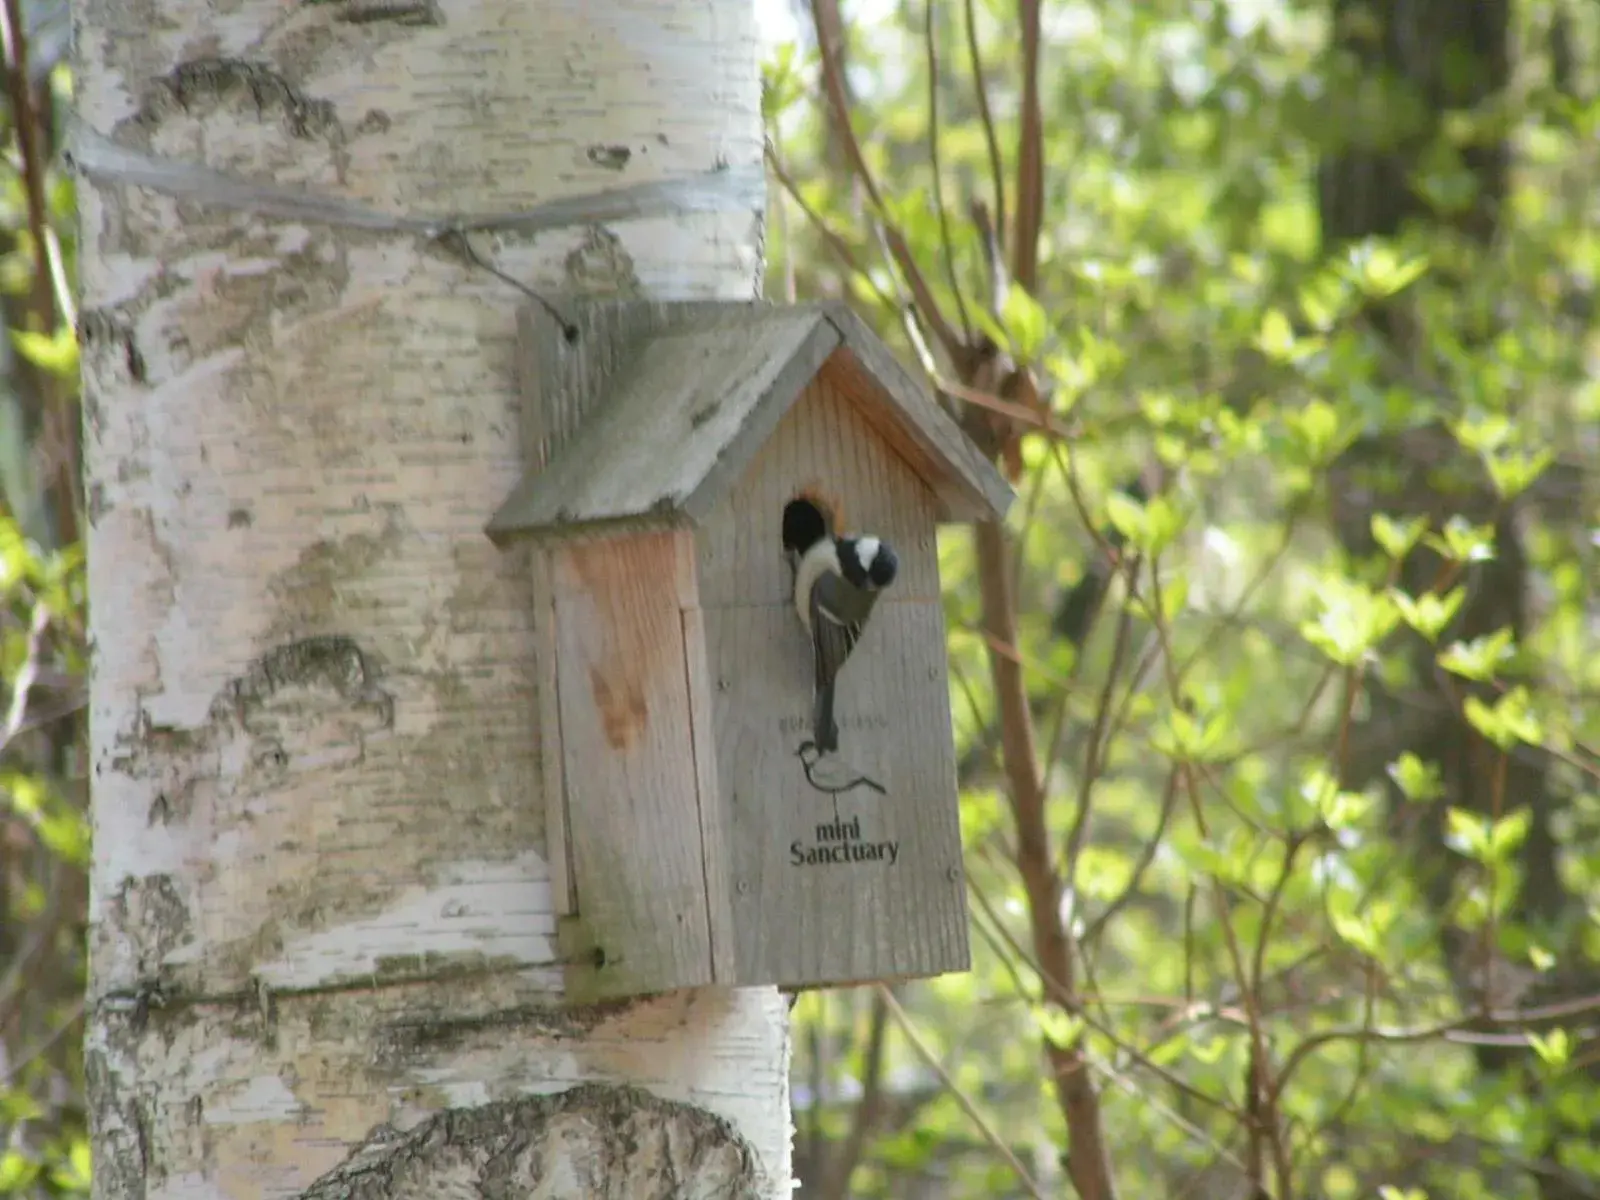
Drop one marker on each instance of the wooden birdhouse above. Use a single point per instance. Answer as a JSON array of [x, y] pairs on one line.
[[697, 834]]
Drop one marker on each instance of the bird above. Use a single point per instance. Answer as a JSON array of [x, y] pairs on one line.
[[837, 580]]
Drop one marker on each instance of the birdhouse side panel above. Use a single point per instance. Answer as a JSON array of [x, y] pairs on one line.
[[846, 866], [627, 725], [825, 449]]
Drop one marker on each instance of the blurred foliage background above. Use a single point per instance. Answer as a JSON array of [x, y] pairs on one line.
[[1275, 696], [44, 836]]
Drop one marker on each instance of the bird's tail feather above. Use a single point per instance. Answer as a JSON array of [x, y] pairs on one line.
[[824, 730]]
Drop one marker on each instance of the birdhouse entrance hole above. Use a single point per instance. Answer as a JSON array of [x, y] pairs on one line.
[[806, 520]]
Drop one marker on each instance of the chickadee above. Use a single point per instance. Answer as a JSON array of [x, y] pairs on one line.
[[836, 582]]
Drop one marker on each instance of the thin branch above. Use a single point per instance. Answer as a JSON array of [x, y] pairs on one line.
[[836, 1180], [1095, 751], [930, 34], [980, 87], [1152, 846], [1052, 988], [59, 432], [983, 1127], [1042, 422], [824, 16], [1089, 1163], [1030, 156], [994, 259], [834, 239]]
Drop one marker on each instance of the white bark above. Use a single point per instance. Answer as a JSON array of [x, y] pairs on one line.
[[322, 934]]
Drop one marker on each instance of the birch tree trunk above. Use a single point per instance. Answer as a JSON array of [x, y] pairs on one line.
[[323, 953]]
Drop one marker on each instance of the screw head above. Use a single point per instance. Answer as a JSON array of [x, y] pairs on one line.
[[953, 874], [742, 887]]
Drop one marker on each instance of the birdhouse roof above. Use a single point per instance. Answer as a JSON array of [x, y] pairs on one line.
[[689, 402]]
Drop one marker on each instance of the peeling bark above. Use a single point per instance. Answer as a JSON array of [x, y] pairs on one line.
[[321, 909]]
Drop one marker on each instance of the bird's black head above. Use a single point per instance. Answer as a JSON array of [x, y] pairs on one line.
[[868, 562]]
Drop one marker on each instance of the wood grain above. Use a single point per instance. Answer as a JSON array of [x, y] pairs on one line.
[[690, 406], [712, 814], [552, 777], [627, 755], [660, 407], [823, 446], [851, 921], [969, 487]]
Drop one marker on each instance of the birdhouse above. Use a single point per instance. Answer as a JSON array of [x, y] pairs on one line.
[[697, 833]]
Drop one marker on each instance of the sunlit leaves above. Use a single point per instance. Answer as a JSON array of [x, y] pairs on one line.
[[1481, 658], [1055, 1025], [17, 1172], [1397, 537], [1025, 324], [1352, 621], [1150, 526], [1379, 271], [1463, 542], [1299, 678], [1276, 339], [72, 1174], [1494, 438], [1484, 839], [1430, 612], [1418, 781], [1318, 432], [1194, 738], [1554, 1048], [1508, 720], [56, 353]]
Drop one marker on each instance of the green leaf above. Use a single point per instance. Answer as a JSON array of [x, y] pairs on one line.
[[1127, 517], [1484, 433], [1463, 542], [1191, 738], [1554, 1048], [1397, 538], [54, 352], [74, 1175], [1481, 658], [1276, 338], [1058, 1027], [1508, 721], [1319, 434], [1164, 521], [1379, 272], [1468, 832], [1514, 472], [1428, 614], [16, 1172], [1418, 781], [1353, 621], [1508, 833], [1026, 322], [1357, 931]]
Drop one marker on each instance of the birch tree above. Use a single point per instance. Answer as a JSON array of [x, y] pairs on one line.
[[322, 942]]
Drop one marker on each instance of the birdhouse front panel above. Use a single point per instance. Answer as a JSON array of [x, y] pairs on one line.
[[824, 450], [843, 865], [629, 694]]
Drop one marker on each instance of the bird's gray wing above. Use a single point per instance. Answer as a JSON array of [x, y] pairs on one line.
[[833, 633]]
